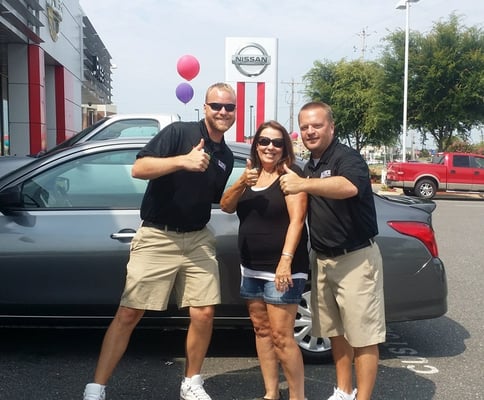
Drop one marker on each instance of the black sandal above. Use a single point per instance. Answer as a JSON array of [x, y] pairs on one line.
[[266, 398]]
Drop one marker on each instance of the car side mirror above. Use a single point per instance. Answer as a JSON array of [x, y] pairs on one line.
[[10, 197]]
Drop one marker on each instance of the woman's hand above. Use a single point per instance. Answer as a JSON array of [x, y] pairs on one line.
[[283, 277], [251, 175]]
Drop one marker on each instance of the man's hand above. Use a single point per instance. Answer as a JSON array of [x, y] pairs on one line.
[[290, 182], [197, 160]]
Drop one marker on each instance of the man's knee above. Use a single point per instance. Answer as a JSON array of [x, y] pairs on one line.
[[128, 316], [202, 314]]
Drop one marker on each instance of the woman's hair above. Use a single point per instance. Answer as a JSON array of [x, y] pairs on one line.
[[288, 156]]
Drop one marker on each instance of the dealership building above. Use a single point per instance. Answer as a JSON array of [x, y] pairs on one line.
[[55, 74]]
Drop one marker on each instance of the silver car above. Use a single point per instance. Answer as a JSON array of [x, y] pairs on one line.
[[67, 219]]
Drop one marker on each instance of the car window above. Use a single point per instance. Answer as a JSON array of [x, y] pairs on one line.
[[97, 181], [140, 127], [461, 161], [239, 166], [478, 162]]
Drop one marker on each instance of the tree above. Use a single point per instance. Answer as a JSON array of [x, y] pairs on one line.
[[354, 91], [445, 80]]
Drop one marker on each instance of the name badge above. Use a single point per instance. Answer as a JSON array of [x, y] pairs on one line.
[[221, 165], [326, 173]]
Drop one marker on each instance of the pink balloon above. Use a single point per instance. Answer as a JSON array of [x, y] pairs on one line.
[[188, 67], [184, 92], [294, 135]]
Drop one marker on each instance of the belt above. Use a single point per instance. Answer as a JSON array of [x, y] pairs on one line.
[[170, 228], [335, 251]]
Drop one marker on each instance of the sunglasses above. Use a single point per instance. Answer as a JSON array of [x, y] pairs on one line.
[[219, 106], [265, 141]]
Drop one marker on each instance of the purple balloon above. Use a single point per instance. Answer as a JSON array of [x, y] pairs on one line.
[[184, 92]]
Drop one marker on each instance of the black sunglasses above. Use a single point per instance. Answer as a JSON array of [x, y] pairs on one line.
[[265, 141], [219, 106]]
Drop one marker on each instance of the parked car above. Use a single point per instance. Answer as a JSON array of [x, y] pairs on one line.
[[459, 172], [121, 126], [67, 219], [110, 127]]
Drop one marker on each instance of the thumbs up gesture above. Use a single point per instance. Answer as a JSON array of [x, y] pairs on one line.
[[290, 181], [251, 174], [197, 160]]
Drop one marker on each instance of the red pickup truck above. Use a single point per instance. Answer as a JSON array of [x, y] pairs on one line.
[[462, 172]]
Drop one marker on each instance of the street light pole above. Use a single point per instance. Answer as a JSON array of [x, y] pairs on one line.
[[198, 114], [405, 4]]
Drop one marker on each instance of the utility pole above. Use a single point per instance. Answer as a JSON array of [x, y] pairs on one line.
[[364, 35], [291, 103]]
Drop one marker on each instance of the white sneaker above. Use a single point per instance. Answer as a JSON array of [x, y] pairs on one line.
[[94, 391], [192, 389], [338, 394]]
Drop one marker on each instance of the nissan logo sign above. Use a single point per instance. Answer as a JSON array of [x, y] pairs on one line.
[[251, 60]]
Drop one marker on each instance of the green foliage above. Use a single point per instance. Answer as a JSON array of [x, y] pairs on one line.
[[353, 90], [461, 146], [445, 87]]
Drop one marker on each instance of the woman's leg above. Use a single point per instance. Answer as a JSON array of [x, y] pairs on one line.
[[281, 317], [265, 349]]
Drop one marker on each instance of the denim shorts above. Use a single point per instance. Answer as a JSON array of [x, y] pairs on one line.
[[254, 288]]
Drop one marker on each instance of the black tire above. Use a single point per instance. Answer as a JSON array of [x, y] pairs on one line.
[[426, 188], [408, 192], [315, 350]]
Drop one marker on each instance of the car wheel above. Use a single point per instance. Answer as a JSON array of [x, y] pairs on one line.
[[315, 350], [425, 189]]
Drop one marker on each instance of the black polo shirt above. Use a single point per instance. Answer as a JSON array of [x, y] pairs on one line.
[[183, 199], [346, 223]]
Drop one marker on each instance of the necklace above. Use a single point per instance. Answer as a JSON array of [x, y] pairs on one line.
[[268, 174], [266, 178]]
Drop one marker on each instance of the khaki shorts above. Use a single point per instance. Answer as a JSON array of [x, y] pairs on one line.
[[347, 296], [161, 261]]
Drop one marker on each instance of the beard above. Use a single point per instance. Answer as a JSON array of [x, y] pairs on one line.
[[220, 125]]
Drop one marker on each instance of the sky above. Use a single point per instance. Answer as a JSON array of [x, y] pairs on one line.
[[146, 38]]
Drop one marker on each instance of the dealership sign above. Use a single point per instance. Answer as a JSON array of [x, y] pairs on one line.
[[251, 59]]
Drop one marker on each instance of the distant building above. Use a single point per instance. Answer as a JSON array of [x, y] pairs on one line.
[[55, 72]]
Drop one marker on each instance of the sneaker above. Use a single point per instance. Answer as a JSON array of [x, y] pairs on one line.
[[338, 394], [192, 389], [94, 391]]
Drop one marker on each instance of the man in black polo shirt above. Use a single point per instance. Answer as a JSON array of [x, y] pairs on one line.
[[347, 276], [188, 165]]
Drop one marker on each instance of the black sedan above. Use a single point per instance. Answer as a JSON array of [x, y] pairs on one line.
[[67, 219]]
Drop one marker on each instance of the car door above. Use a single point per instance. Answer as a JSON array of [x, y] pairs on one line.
[[64, 252], [461, 174]]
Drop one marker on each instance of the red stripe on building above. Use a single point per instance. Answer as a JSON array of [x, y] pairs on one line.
[[261, 104], [37, 114], [240, 120]]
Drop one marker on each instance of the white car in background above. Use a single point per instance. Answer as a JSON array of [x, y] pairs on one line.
[[117, 126], [120, 126]]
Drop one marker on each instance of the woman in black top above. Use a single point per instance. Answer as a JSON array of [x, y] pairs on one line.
[[274, 255]]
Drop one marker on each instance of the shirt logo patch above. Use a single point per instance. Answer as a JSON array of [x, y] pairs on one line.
[[326, 173], [221, 165]]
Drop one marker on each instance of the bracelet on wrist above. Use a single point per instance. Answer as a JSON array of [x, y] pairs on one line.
[[287, 254]]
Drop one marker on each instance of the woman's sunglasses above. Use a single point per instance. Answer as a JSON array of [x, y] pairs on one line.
[[265, 141], [219, 106]]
